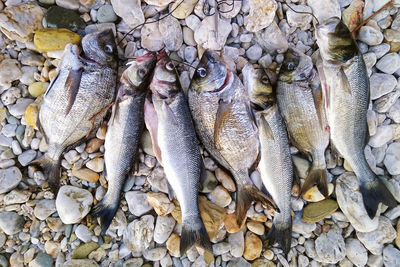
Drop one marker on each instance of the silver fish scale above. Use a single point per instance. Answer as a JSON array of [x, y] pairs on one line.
[[122, 142], [238, 142], [180, 154], [297, 106], [347, 113], [275, 165], [96, 91]]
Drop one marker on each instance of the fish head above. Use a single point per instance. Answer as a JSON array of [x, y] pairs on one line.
[[258, 86], [335, 41], [296, 67], [165, 83], [136, 78], [212, 75], [100, 47]]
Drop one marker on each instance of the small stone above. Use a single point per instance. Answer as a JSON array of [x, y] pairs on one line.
[[221, 248], [96, 164], [158, 3], [37, 88], [163, 229], [135, 262], [106, 14], [225, 180], [184, 9], [252, 246], [352, 16], [42, 260], [209, 41], [230, 223], [314, 212], [9, 179], [137, 203], [73, 203], [188, 36], [18, 109], [313, 194], [190, 54], [139, 233], [256, 227], [16, 197], [44, 208], [330, 246], [173, 245], [52, 248], [11, 223], [84, 250], [155, 254], [46, 40], [94, 145], [299, 20], [370, 35], [220, 196], [392, 159], [261, 14], [381, 84], [130, 11], [86, 174], [302, 166], [325, 9], [356, 252], [26, 157], [79, 263], [394, 112], [301, 227], [236, 241], [10, 70], [171, 33], [151, 37], [389, 64], [19, 22], [391, 256], [62, 18], [82, 232], [160, 202], [272, 39], [254, 53], [374, 240], [209, 183]]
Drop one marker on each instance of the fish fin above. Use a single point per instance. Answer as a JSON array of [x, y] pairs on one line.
[[169, 113], [203, 175], [151, 121], [114, 112], [224, 110], [93, 119], [374, 193], [105, 210], [39, 126], [345, 82], [281, 233], [51, 170], [318, 177], [319, 106], [267, 129], [194, 235], [322, 78], [72, 86], [52, 82], [245, 195]]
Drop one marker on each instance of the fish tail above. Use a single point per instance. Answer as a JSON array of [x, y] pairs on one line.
[[194, 233], [316, 176], [374, 193], [246, 194], [51, 170], [105, 210], [281, 232]]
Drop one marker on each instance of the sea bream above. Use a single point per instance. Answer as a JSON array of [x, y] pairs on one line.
[[123, 134], [275, 166], [221, 112], [178, 148], [346, 90], [74, 105], [301, 104]]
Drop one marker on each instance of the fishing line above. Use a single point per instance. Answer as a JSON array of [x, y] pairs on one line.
[[303, 12]]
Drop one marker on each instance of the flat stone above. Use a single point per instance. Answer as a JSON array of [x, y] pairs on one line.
[[62, 18], [83, 233], [139, 233], [205, 37], [299, 20], [325, 9], [252, 246], [391, 256], [155, 254], [17, 197], [236, 241], [160, 202], [9, 179], [86, 174], [314, 212], [330, 246], [10, 70], [130, 11], [381, 84], [11, 223], [38, 88], [137, 203], [389, 64], [392, 159], [42, 260], [73, 203], [49, 39], [79, 263], [370, 35], [356, 252], [220, 196], [163, 229], [106, 14], [84, 250], [44, 208], [26, 157], [171, 33], [184, 9], [262, 13], [272, 39], [151, 37]]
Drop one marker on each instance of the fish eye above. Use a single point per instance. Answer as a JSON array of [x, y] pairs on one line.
[[290, 66], [169, 66], [141, 73], [108, 49], [264, 79], [202, 72]]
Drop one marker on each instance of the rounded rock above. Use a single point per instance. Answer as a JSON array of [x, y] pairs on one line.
[[106, 14], [314, 212], [252, 246], [392, 159], [73, 203], [46, 40], [370, 35], [9, 179]]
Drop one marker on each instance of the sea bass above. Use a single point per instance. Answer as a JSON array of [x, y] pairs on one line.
[[275, 166], [123, 134], [221, 112], [301, 104], [74, 104], [345, 84], [176, 140]]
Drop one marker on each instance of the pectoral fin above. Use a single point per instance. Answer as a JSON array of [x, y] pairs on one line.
[[266, 128], [345, 82], [223, 112], [72, 86]]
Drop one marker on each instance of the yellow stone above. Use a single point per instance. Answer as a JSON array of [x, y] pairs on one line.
[[184, 9], [173, 245], [208, 257], [31, 114], [160, 203], [252, 246], [256, 227], [3, 114], [397, 240], [313, 194], [231, 224], [86, 174], [314, 212], [37, 88], [50, 39], [52, 74]]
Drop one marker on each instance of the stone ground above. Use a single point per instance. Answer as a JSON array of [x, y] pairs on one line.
[[37, 230]]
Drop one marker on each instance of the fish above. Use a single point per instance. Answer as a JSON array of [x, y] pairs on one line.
[[346, 92], [275, 166], [123, 133], [300, 101], [76, 100], [223, 120], [179, 149]]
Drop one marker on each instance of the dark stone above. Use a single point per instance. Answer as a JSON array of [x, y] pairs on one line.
[[59, 17]]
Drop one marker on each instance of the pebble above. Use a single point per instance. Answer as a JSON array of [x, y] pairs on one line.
[[130, 11], [44, 208], [10, 70], [381, 84], [220, 196], [374, 240], [82, 232], [73, 203], [221, 248], [392, 159], [209, 41], [173, 245], [151, 37], [86, 175], [160, 202], [16, 197], [301, 227], [256, 227], [80, 262], [46, 40], [63, 18], [254, 52], [137, 203], [96, 164], [391, 256], [190, 53], [84, 250], [299, 20], [272, 39], [262, 13], [325, 9], [163, 229], [11, 223], [9, 179], [230, 223], [171, 33], [184, 9], [155, 254], [68, 4], [106, 14], [18, 109], [351, 203], [26, 157], [330, 246], [313, 194], [389, 64], [315, 212], [383, 135], [236, 241], [252, 246], [356, 252], [139, 234], [42, 260], [370, 35]]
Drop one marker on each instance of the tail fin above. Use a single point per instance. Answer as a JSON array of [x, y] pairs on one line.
[[51, 170], [374, 193], [316, 176], [194, 235], [281, 233], [247, 194], [105, 210]]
